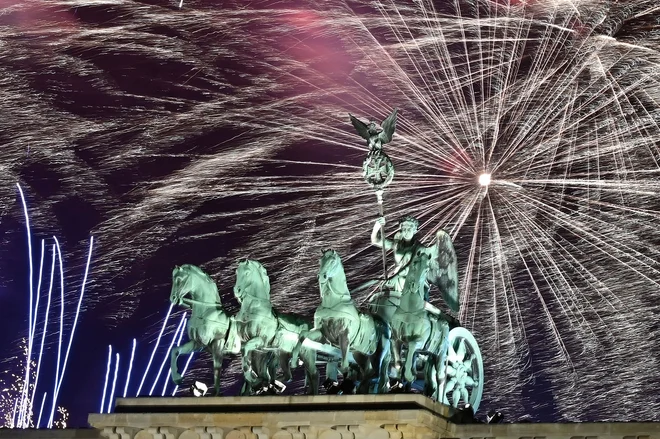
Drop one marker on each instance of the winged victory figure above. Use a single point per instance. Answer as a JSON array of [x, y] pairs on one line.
[[376, 137]]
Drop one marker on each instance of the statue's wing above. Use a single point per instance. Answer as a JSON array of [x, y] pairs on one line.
[[388, 125], [443, 272], [361, 127]]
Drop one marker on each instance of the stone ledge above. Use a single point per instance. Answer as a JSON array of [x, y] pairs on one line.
[[275, 417], [401, 416], [317, 403]]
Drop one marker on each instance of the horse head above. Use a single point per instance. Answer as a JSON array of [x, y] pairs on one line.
[[251, 280], [190, 280], [332, 279]]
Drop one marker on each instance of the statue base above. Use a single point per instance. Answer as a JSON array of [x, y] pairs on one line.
[[402, 416], [392, 416]]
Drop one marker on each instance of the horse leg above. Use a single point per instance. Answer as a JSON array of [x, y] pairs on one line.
[[381, 362], [285, 365], [273, 365], [409, 366], [184, 349], [331, 372], [365, 372], [397, 346], [295, 354], [384, 371], [266, 368], [308, 357], [249, 373], [344, 345], [217, 349], [430, 376]]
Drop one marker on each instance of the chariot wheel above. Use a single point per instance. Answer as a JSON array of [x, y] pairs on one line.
[[464, 372]]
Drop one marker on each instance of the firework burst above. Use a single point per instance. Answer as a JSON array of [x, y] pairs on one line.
[[14, 387], [206, 134]]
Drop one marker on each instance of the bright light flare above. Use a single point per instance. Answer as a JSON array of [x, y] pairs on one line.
[[43, 333], [130, 368], [107, 375], [41, 409], [75, 323], [114, 384], [22, 409], [484, 179]]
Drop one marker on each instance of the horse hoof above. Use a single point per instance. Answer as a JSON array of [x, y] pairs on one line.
[[347, 387], [331, 387], [396, 386]]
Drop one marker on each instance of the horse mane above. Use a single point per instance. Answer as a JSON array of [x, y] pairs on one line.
[[339, 284], [201, 273]]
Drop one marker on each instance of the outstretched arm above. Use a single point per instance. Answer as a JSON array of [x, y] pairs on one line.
[[378, 240]]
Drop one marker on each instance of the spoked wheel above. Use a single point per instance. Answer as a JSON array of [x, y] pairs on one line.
[[464, 382]]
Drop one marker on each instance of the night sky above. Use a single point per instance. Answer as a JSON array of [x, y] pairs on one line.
[[219, 131]]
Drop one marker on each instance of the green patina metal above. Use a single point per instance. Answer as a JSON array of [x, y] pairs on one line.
[[400, 336]]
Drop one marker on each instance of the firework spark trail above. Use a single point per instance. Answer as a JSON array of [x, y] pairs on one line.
[[41, 409], [43, 333], [60, 333], [107, 376], [73, 331], [175, 336], [114, 383], [14, 413], [22, 408], [33, 323], [130, 368], [38, 296], [153, 352], [559, 101]]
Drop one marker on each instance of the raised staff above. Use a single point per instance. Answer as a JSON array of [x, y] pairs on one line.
[[377, 168]]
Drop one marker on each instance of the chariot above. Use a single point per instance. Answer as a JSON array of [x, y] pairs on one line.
[[398, 342]]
